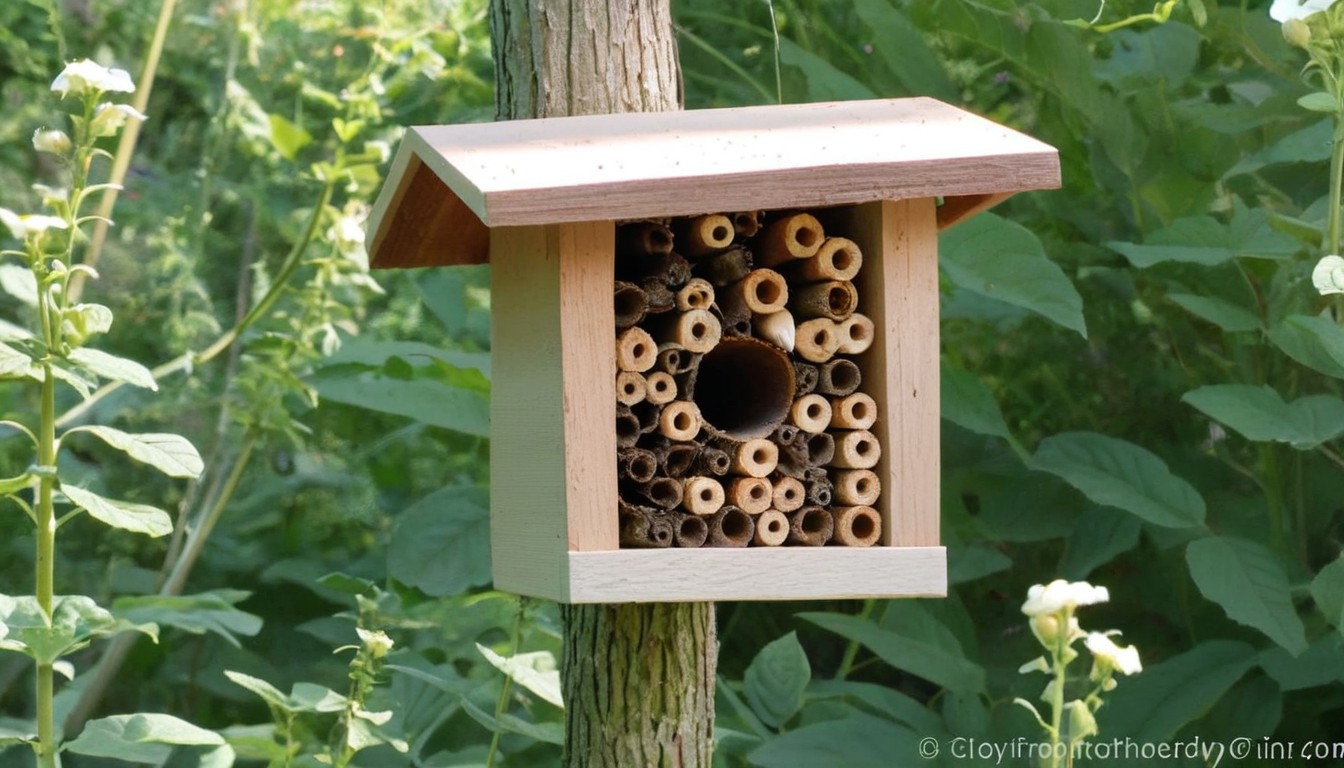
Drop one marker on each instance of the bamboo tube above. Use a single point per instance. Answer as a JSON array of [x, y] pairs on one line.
[[703, 235], [838, 258], [778, 328], [793, 237], [856, 411], [750, 494], [820, 449], [635, 350], [744, 387], [643, 238], [696, 330], [630, 388], [858, 449], [816, 340], [659, 297], [637, 465], [630, 303], [661, 492], [857, 487], [811, 413], [680, 420], [675, 360], [746, 223], [730, 527], [793, 457], [855, 334], [644, 528], [724, 268], [676, 460], [673, 269], [772, 529], [689, 531], [734, 316], [647, 414], [785, 434], [660, 388], [838, 378], [788, 494], [834, 300], [805, 377], [627, 426], [856, 526], [712, 461], [702, 495], [762, 291], [695, 294], [819, 491], [756, 457], [810, 526]]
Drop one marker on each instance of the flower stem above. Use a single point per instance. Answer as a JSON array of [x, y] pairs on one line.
[[1057, 693], [1332, 234], [46, 566]]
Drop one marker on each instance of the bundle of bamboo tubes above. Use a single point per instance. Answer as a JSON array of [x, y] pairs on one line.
[[741, 418]]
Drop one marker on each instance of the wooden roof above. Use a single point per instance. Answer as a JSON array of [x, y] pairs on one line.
[[449, 183]]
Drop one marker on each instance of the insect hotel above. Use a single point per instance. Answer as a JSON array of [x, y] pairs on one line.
[[714, 337]]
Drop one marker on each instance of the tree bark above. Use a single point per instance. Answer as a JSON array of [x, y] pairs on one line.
[[638, 679]]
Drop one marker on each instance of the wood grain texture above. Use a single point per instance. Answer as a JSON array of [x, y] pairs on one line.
[[637, 165], [760, 573], [898, 289]]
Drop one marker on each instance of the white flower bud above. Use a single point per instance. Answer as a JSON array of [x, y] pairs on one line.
[[109, 118], [51, 141], [1328, 276], [85, 77]]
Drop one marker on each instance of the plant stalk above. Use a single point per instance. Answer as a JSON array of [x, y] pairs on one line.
[[46, 563]]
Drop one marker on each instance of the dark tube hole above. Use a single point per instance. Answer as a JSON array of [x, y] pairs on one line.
[[744, 387], [736, 525], [862, 526]]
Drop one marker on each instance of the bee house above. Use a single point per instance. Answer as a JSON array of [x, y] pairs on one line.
[[714, 337]]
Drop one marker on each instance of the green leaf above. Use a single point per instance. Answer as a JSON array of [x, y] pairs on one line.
[[1225, 315], [113, 368], [857, 740], [128, 516], [998, 259], [775, 680], [13, 484], [303, 697], [1327, 589], [1098, 537], [172, 455], [882, 700], [19, 282], [904, 50], [1116, 473], [441, 544], [536, 671], [1322, 664], [1153, 706], [13, 362], [145, 738], [969, 404], [547, 733], [1258, 413], [824, 81], [287, 137], [1314, 341], [941, 665], [1308, 145], [1144, 256], [1320, 101], [422, 397], [976, 561], [213, 611], [1247, 580], [75, 622]]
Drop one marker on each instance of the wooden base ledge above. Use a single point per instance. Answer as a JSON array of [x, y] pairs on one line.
[[765, 573]]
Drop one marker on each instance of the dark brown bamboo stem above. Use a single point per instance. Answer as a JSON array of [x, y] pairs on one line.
[[643, 238], [631, 303], [746, 223], [730, 527], [689, 531], [725, 268], [811, 526], [820, 492], [644, 528], [677, 459], [805, 377], [820, 449], [637, 465], [838, 378]]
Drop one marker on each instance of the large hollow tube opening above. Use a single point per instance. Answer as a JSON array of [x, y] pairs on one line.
[[744, 387]]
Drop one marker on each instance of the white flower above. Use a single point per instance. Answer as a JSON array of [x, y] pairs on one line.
[[1283, 10], [30, 224], [1039, 664], [51, 141], [376, 641], [85, 76], [1124, 659], [1328, 276], [1059, 594], [109, 118]]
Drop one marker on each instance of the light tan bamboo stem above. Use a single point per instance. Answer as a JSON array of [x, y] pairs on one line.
[[631, 387], [811, 413], [857, 411], [747, 223], [857, 487], [811, 526], [837, 259], [835, 300], [858, 526], [837, 378], [680, 420], [631, 303], [702, 495], [730, 527], [788, 494], [750, 494], [855, 334], [635, 350], [660, 388], [816, 340], [772, 528], [778, 328], [688, 530], [793, 237], [695, 330], [858, 449], [762, 291], [698, 293], [706, 234], [756, 457]]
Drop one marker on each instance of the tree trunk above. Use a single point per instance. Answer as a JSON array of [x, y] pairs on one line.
[[638, 679]]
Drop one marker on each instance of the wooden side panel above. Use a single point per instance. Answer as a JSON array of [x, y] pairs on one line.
[[898, 287], [528, 482], [758, 573], [587, 320], [955, 209], [421, 223]]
